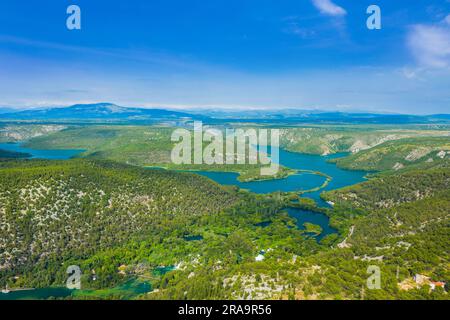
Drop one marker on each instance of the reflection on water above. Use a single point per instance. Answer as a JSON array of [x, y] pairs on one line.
[[36, 294], [303, 216], [40, 154], [298, 182], [193, 238]]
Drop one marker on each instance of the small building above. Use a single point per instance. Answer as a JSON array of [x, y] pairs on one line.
[[259, 257], [437, 284], [421, 279]]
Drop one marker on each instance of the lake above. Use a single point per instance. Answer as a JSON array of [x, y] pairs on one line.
[[36, 294], [298, 182], [129, 289], [40, 154], [303, 216]]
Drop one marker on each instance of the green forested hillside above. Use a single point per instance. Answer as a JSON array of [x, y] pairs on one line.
[[21, 132], [400, 154], [325, 140], [386, 191], [120, 222], [408, 236], [51, 212], [137, 145], [400, 223]]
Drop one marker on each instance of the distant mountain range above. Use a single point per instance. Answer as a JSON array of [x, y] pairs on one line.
[[7, 110], [111, 113], [98, 112], [320, 116]]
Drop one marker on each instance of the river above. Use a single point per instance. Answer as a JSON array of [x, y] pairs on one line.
[[40, 154], [297, 182], [300, 182]]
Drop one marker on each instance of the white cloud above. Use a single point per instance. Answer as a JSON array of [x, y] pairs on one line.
[[447, 19], [409, 73], [430, 45], [304, 33], [329, 8]]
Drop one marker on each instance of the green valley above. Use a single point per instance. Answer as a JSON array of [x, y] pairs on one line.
[[122, 214], [400, 154], [212, 159]]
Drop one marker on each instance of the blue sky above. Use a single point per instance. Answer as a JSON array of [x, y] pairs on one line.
[[306, 54]]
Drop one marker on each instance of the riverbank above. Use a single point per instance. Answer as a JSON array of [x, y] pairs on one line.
[[249, 174], [27, 153]]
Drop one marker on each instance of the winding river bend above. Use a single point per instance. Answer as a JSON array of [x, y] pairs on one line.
[[297, 182], [300, 182]]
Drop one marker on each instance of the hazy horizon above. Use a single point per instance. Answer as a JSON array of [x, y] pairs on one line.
[[314, 54], [217, 109]]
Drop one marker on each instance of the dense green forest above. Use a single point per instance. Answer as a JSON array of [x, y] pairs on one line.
[[399, 154], [410, 236], [53, 212], [323, 139], [104, 215], [120, 222]]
